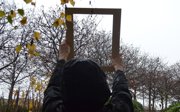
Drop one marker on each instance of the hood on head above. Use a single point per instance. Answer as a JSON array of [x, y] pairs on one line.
[[84, 85]]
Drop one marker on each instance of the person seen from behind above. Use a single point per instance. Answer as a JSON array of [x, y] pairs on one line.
[[80, 86]]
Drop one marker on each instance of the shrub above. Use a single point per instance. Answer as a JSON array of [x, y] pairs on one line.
[[137, 106], [175, 107]]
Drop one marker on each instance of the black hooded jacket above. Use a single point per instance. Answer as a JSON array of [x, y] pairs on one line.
[[59, 99]]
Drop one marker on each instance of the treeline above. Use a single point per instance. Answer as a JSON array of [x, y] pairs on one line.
[[25, 75]]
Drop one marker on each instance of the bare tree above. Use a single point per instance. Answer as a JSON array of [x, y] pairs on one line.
[[175, 73], [91, 43], [5, 28]]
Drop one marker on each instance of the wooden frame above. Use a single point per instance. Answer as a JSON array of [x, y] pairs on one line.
[[115, 34]]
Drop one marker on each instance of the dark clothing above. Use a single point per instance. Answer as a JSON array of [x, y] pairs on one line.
[[120, 100], [84, 86]]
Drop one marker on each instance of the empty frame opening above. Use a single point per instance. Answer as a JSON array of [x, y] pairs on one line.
[[93, 37]]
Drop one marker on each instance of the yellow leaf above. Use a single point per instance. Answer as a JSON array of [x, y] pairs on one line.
[[72, 2], [12, 14], [2, 13], [23, 21], [21, 12], [64, 2], [36, 35], [18, 48], [62, 15], [28, 1], [38, 86], [31, 49], [58, 22], [36, 54], [32, 81], [9, 18], [69, 18], [28, 45], [30, 105]]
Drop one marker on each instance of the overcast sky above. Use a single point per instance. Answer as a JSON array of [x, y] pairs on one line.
[[151, 25]]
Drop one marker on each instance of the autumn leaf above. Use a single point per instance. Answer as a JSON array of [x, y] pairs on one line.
[[32, 81], [28, 1], [28, 45], [36, 54], [62, 15], [18, 48], [9, 18], [36, 35], [31, 49], [72, 2], [38, 86], [12, 14], [30, 106], [2, 13], [64, 2], [21, 12], [23, 21], [69, 18], [58, 22]]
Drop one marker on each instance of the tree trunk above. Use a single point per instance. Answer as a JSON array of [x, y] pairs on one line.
[[153, 100], [162, 103], [149, 99], [17, 101], [10, 96], [143, 98], [166, 100], [134, 94]]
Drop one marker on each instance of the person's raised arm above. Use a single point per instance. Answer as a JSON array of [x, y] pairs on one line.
[[121, 99], [53, 94]]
